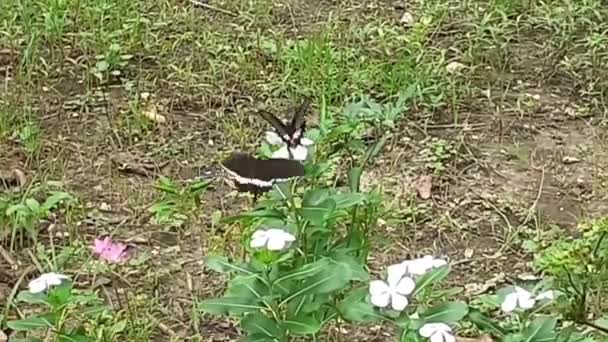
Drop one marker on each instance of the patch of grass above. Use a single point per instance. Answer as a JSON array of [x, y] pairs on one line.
[[222, 67]]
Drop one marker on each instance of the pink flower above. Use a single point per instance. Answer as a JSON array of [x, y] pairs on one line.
[[111, 251]]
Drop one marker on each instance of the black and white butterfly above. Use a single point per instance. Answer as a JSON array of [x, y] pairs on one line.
[[291, 135], [257, 176]]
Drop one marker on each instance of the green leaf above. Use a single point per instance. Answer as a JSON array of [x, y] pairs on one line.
[[354, 177], [61, 294], [281, 191], [266, 213], [258, 324], [348, 199], [230, 305], [56, 198], [314, 197], [542, 329], [166, 185], [485, 324], [333, 278], [27, 339], [222, 265], [319, 214], [33, 298], [354, 266], [355, 307], [303, 324], [446, 312], [32, 205], [306, 271], [307, 304], [32, 323], [258, 338], [102, 66], [74, 337], [431, 277], [246, 286], [374, 150]]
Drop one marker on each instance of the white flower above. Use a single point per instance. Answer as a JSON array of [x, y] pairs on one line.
[[273, 239], [273, 138], [421, 265], [45, 281], [299, 152], [437, 332], [519, 298], [394, 290]]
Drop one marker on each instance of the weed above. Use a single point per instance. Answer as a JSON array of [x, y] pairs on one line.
[[177, 204]]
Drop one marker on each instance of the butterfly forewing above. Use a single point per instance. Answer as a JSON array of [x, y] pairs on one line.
[[293, 132], [299, 118], [281, 129]]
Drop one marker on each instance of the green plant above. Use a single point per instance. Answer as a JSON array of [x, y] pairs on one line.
[[437, 154], [579, 268], [29, 135], [66, 312], [25, 213], [177, 203]]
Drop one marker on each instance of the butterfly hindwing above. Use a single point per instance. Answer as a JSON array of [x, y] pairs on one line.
[[257, 175]]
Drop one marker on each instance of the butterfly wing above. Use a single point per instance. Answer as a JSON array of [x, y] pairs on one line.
[[278, 125], [255, 175], [299, 117]]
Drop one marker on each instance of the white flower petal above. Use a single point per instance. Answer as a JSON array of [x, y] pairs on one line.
[[258, 239], [281, 153], [278, 239], [447, 337], [45, 281], [405, 286], [276, 244], [398, 301], [37, 285], [510, 302], [437, 337], [379, 293], [274, 139], [378, 287], [395, 273], [526, 303], [437, 332], [522, 292], [439, 262], [299, 152], [419, 266], [427, 330], [549, 295], [306, 142]]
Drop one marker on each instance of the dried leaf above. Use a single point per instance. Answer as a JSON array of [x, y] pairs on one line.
[[423, 186], [453, 67], [151, 113], [3, 337], [126, 163], [407, 19], [12, 179]]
